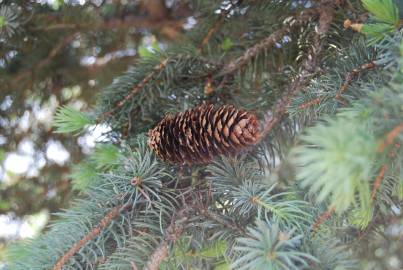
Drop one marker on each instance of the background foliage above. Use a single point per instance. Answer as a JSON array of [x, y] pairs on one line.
[[61, 53]]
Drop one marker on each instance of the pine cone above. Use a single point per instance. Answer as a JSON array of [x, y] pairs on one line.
[[199, 134]]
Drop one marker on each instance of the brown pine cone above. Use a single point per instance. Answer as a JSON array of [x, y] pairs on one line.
[[199, 134]]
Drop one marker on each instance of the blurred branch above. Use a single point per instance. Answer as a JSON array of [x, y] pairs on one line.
[[390, 137], [216, 26], [126, 22], [156, 9], [169, 27], [173, 232], [25, 73], [378, 181], [322, 218]]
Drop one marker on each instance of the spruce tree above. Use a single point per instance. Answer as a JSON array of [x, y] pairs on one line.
[[322, 187]]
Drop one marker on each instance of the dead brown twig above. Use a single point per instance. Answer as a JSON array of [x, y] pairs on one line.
[[310, 103]]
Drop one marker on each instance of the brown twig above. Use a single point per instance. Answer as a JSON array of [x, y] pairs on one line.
[[101, 260], [326, 11], [301, 18], [309, 66], [310, 103], [256, 49], [173, 232], [280, 108], [215, 28], [103, 223], [378, 181], [322, 218], [390, 137], [209, 34], [348, 79]]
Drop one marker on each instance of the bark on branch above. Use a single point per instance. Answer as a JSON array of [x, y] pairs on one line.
[[173, 232], [103, 223]]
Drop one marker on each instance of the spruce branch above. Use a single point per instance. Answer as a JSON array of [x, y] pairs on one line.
[[268, 246], [346, 144], [216, 26], [67, 120], [310, 103], [262, 45], [275, 115], [173, 232], [116, 23], [103, 223], [309, 66], [253, 51], [378, 181], [137, 88], [326, 11], [348, 78], [322, 218], [330, 211], [390, 137]]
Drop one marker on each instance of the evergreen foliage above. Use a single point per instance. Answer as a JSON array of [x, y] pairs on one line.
[[323, 188], [67, 120], [56, 53]]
